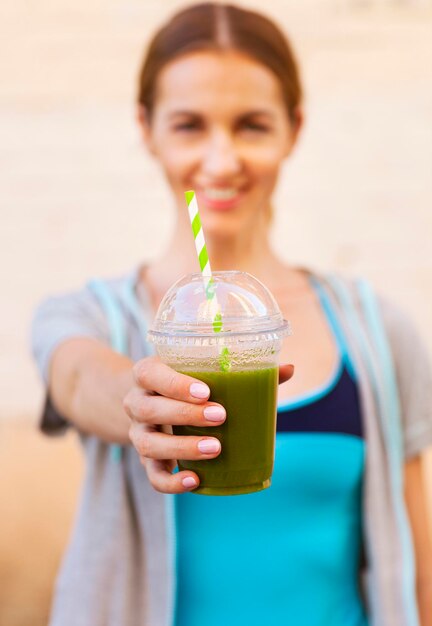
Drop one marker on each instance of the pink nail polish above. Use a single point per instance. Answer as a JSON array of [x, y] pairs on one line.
[[209, 446], [199, 390], [214, 413], [189, 482]]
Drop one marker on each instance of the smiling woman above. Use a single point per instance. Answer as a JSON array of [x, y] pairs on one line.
[[219, 107], [226, 144]]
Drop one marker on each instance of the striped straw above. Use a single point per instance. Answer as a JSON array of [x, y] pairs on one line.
[[205, 268], [198, 233], [201, 249]]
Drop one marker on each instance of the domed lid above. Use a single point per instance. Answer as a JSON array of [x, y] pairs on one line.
[[231, 305]]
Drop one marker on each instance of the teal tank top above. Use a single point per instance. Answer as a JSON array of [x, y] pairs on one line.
[[289, 554]]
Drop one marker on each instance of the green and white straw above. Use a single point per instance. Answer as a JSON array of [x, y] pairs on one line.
[[198, 234], [202, 254], [204, 263]]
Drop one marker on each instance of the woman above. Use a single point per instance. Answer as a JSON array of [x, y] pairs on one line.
[[219, 107]]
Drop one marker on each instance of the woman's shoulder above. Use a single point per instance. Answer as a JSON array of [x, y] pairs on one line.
[[359, 299], [88, 293], [79, 311], [388, 331], [358, 291]]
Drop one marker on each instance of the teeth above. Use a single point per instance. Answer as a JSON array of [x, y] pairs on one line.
[[221, 194]]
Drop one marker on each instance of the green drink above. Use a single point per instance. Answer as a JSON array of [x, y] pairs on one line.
[[247, 437], [227, 333]]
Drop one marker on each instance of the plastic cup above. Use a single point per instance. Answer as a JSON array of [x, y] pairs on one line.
[[239, 363]]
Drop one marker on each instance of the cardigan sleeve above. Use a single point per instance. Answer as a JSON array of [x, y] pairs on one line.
[[413, 377]]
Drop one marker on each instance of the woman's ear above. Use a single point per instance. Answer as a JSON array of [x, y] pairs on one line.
[[296, 124], [143, 120], [297, 121]]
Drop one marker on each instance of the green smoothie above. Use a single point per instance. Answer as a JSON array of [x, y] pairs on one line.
[[245, 463]]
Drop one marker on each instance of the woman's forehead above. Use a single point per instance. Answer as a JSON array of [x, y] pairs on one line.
[[208, 80]]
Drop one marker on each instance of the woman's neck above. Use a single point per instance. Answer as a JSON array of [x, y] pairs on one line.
[[250, 252]]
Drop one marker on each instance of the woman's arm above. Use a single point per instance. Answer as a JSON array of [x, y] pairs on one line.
[[87, 384], [415, 497]]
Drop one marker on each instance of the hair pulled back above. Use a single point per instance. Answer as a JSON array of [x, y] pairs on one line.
[[221, 27]]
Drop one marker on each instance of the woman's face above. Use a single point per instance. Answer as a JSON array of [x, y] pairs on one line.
[[220, 126]]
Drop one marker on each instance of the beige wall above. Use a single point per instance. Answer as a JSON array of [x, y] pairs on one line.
[[79, 197]]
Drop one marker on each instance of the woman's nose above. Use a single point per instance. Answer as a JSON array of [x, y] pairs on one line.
[[221, 157]]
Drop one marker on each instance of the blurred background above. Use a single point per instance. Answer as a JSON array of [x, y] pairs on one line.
[[80, 198]]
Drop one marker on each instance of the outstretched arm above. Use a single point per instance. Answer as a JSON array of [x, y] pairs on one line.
[[87, 384]]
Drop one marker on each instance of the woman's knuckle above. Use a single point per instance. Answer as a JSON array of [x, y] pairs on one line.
[[143, 444], [158, 483], [185, 412], [131, 434], [143, 462], [144, 409], [173, 385], [141, 371], [126, 405], [132, 406], [181, 444]]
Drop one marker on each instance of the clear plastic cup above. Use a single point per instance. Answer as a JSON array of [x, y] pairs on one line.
[[227, 334]]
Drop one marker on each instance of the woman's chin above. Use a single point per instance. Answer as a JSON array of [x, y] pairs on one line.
[[219, 228]]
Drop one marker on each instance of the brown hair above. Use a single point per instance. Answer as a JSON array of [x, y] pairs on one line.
[[221, 27]]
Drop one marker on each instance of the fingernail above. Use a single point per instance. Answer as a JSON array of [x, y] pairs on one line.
[[198, 390], [209, 446], [214, 413], [189, 482]]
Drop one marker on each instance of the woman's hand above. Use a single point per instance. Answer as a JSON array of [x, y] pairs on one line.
[[161, 398]]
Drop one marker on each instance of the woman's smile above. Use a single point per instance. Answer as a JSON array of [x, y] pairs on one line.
[[219, 198]]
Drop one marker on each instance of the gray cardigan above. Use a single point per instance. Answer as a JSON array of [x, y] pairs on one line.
[[119, 567]]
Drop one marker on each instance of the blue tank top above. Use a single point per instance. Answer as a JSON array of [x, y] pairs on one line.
[[289, 554]]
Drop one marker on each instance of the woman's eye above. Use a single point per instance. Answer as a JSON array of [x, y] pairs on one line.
[[187, 126], [255, 127]]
